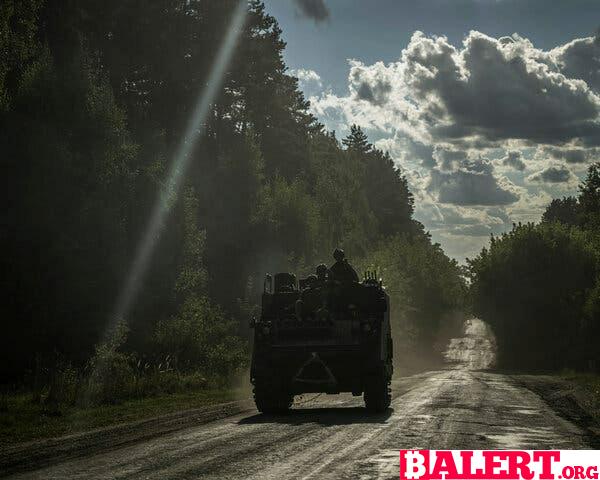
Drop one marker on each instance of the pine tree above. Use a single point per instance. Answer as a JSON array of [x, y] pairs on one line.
[[589, 195], [357, 141]]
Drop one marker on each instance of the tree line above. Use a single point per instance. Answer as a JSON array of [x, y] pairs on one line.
[[94, 97], [538, 285]]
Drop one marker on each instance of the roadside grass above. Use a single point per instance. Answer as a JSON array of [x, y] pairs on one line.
[[23, 420], [574, 396], [110, 389], [587, 390]]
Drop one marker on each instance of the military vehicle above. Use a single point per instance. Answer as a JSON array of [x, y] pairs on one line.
[[321, 337]]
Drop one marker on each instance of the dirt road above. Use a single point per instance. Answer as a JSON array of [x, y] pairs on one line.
[[333, 437]]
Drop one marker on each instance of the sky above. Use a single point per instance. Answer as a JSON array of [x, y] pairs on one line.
[[491, 108]]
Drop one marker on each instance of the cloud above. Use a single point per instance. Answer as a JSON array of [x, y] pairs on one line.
[[482, 94], [307, 76], [314, 9], [468, 221], [458, 118], [373, 93], [407, 152], [449, 159], [553, 174], [478, 230], [462, 230], [492, 91], [513, 159], [569, 155], [473, 183], [580, 59], [372, 84], [309, 81]]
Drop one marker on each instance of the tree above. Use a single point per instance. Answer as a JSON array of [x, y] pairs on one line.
[[531, 286], [19, 44], [426, 288], [68, 152], [357, 141], [93, 98], [199, 333], [583, 210], [589, 196], [388, 194], [564, 210]]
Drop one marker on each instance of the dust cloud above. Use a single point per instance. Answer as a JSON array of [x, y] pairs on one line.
[[476, 350]]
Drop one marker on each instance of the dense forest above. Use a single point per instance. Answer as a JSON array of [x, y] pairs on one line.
[[538, 285], [94, 97]]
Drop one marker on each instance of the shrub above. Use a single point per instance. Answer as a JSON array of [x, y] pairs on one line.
[[202, 338], [531, 286]]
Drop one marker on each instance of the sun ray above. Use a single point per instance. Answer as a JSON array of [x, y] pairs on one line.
[[179, 166]]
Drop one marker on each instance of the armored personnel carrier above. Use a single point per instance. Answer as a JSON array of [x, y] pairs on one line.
[[321, 337]]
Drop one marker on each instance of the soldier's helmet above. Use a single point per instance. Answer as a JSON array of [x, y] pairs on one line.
[[322, 270], [311, 280], [338, 254]]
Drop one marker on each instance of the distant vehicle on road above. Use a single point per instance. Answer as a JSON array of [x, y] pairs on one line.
[[314, 336]]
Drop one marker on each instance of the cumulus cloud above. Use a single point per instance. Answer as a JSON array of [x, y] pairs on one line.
[[473, 183], [408, 152], [473, 230], [513, 160], [484, 93], [580, 59], [569, 155], [449, 159], [472, 221], [309, 81], [552, 174], [314, 9], [307, 76], [446, 112], [492, 91], [372, 84]]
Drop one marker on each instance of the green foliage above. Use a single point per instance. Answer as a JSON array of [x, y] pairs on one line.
[[346, 218], [583, 210], [531, 285], [24, 421], [68, 152], [110, 376], [199, 335], [388, 195], [202, 336], [94, 98], [565, 210], [291, 216], [108, 372], [589, 198], [357, 141], [193, 277], [538, 285], [424, 285], [18, 43]]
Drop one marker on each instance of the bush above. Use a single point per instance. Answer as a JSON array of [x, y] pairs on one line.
[[426, 288], [531, 286], [202, 338], [110, 378], [64, 386]]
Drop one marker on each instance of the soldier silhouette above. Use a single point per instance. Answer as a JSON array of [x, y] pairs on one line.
[[341, 271], [322, 274]]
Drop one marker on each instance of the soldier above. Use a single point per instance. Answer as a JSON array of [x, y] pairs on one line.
[[324, 286], [309, 299], [322, 274], [341, 271]]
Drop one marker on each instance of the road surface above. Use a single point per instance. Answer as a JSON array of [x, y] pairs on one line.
[[333, 437]]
